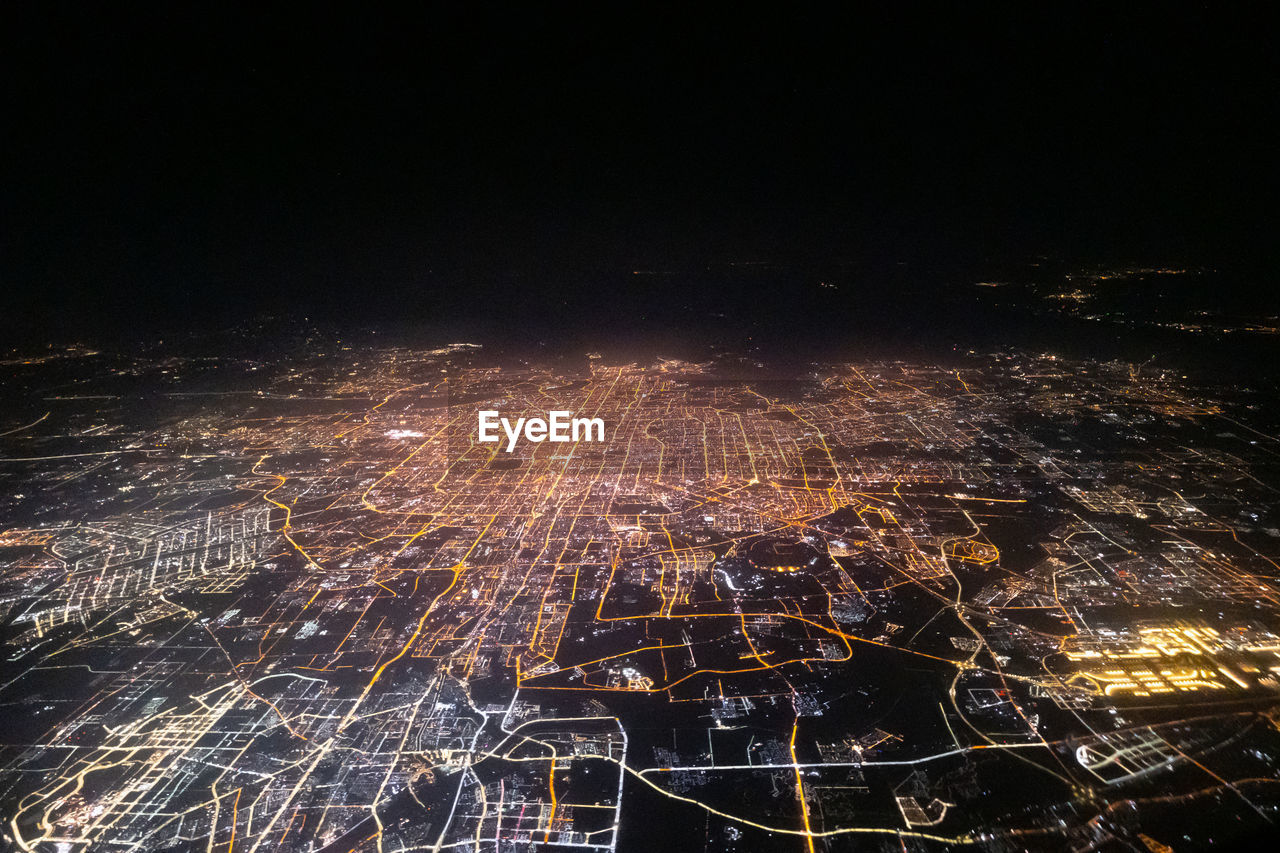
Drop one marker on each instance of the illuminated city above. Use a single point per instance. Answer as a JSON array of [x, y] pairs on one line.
[[313, 610], [506, 428]]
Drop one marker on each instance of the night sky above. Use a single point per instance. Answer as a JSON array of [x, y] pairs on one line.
[[169, 168]]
